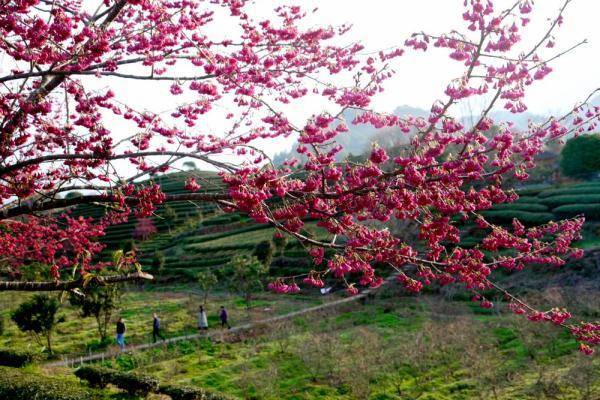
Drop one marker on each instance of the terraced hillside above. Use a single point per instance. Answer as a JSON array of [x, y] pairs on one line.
[[215, 241], [543, 204], [167, 216], [194, 236]]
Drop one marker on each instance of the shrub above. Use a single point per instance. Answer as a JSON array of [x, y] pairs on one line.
[[556, 201], [526, 217], [95, 376], [98, 302], [38, 317], [133, 383], [591, 211], [263, 251], [533, 191], [16, 358], [571, 191], [527, 199], [16, 384], [521, 207], [190, 393], [581, 156]]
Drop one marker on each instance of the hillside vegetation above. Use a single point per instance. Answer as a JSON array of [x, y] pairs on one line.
[[192, 236]]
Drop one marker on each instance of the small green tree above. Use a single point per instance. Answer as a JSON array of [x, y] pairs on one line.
[[170, 216], [247, 276], [158, 262], [280, 241], [129, 245], [190, 165], [581, 156], [98, 302], [264, 252], [206, 281], [73, 194], [37, 316]]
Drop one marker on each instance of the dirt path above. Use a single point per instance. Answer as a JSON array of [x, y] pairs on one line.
[[73, 361]]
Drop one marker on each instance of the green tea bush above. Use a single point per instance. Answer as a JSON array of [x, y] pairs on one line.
[[16, 384], [232, 247], [286, 265], [591, 211], [96, 377], [527, 199], [134, 383], [562, 200], [206, 238], [595, 189], [190, 393], [589, 184], [521, 207], [526, 217], [16, 358], [533, 191], [222, 220]]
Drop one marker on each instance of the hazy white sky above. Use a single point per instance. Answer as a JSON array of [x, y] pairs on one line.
[[421, 78]]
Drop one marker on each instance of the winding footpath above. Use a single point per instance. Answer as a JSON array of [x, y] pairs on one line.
[[74, 361]]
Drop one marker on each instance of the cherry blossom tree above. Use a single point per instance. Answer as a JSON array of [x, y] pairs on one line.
[[62, 129], [144, 229]]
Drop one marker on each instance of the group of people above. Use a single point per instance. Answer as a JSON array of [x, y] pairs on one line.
[[203, 320], [156, 330]]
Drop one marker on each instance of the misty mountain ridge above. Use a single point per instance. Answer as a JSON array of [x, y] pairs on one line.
[[360, 138]]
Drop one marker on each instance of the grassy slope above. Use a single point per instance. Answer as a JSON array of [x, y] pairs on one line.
[[175, 306], [278, 366]]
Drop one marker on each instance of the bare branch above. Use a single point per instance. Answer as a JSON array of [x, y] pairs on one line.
[[70, 285]]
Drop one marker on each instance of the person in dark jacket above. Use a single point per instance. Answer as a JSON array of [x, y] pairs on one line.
[[223, 316], [121, 333], [156, 328]]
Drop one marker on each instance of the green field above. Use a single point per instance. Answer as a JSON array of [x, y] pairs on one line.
[[176, 307], [390, 348]]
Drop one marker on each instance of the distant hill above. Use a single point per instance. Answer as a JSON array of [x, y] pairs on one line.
[[360, 138]]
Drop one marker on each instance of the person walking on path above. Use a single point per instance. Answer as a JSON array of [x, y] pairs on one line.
[[121, 333], [202, 320], [223, 316], [156, 328]]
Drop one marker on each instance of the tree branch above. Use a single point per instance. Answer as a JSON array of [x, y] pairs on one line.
[[69, 285], [57, 157], [62, 203]]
